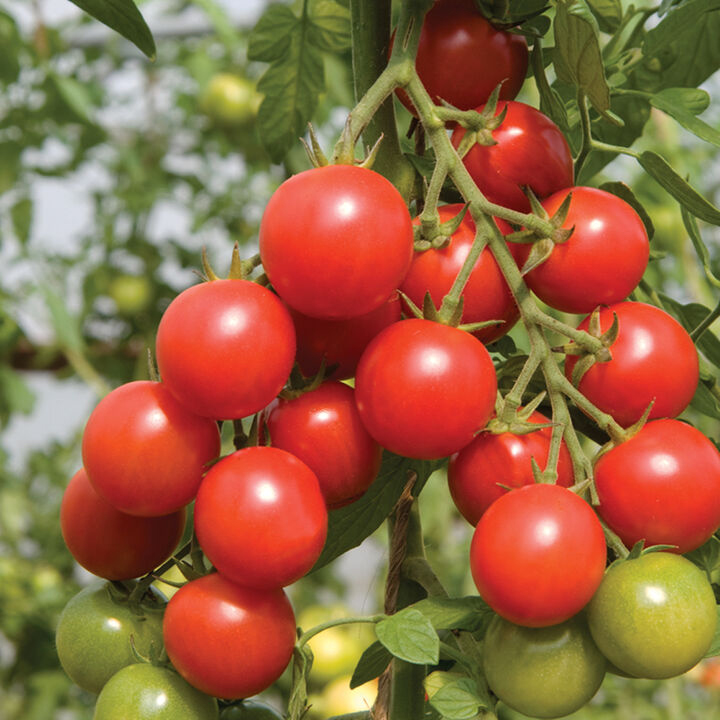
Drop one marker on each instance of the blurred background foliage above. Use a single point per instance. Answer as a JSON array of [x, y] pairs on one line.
[[114, 172]]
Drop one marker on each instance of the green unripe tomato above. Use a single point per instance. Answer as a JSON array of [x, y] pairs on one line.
[[230, 100], [146, 692], [93, 635], [130, 293], [543, 672], [249, 710], [653, 616]]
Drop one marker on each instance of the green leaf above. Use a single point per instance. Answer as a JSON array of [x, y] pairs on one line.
[[9, 165], [714, 648], [702, 252], [372, 664], [688, 15], [625, 193], [67, 328], [410, 636], [682, 191], [457, 699], [690, 316], [467, 613], [608, 13], [16, 395], [270, 38], [331, 24], [705, 402], [10, 44], [123, 17], [692, 100], [707, 557], [687, 119], [75, 95], [21, 213], [577, 57], [350, 525]]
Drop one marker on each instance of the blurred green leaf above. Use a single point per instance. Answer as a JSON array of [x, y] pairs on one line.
[[331, 24], [270, 38], [608, 13], [690, 316], [67, 327], [625, 193], [21, 213], [16, 395], [75, 96], [410, 636], [9, 165], [577, 57], [692, 100], [681, 190], [123, 17], [372, 664], [705, 402], [714, 648], [669, 104], [702, 252], [9, 49], [220, 20]]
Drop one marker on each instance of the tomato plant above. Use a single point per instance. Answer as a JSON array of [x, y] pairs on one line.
[[322, 428], [653, 361], [144, 452], [95, 632], [423, 389], [662, 486], [529, 151], [225, 348], [146, 692], [545, 672], [603, 260], [94, 530], [654, 616], [260, 517], [495, 462], [336, 241], [485, 297], [228, 640], [538, 555]]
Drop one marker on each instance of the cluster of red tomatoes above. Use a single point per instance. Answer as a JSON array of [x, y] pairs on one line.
[[336, 243]]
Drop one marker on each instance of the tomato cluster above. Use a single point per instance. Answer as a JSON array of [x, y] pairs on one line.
[[337, 248]]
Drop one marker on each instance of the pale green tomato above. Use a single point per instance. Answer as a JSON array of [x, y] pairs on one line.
[[230, 99]]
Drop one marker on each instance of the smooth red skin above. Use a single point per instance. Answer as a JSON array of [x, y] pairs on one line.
[[424, 389], [531, 151], [653, 359], [601, 263], [112, 544], [461, 57], [323, 429], [225, 348], [486, 295], [538, 555], [144, 452], [227, 640], [477, 473], [339, 342], [336, 241], [662, 485], [260, 517]]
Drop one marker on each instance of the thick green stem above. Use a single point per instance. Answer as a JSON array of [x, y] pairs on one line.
[[587, 141]]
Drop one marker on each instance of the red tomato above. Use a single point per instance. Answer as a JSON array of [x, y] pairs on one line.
[[336, 241], [225, 348], [662, 485], [477, 474], [323, 429], [260, 517], [603, 260], [110, 543], [144, 452], [424, 389], [486, 295], [462, 58], [538, 555], [653, 359], [340, 342], [228, 640], [531, 151]]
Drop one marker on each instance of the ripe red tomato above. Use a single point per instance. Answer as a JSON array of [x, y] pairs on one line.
[[225, 348], [477, 474], [486, 295], [424, 389], [461, 57], [260, 517], [323, 429], [336, 241], [603, 260], [653, 359], [662, 485], [228, 640], [110, 543], [538, 555], [531, 151], [339, 342], [144, 452]]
